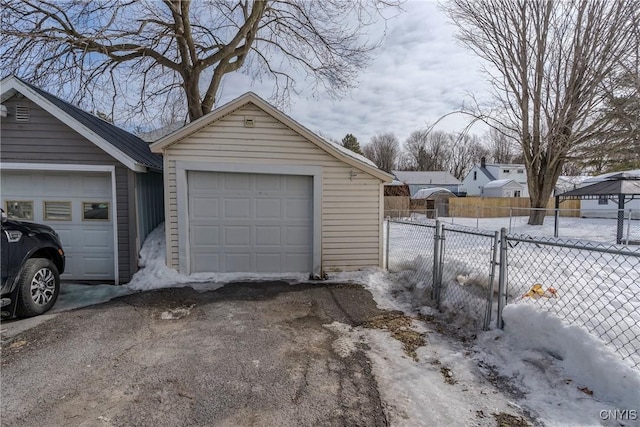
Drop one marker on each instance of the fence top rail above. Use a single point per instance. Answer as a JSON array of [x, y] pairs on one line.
[[418, 224], [466, 230], [575, 245]]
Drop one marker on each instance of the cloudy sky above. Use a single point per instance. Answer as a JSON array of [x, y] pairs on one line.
[[418, 74]]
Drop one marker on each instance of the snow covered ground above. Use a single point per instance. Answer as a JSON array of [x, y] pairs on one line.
[[560, 375]]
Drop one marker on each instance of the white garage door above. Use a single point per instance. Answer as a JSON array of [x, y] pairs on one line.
[[78, 206], [241, 222]]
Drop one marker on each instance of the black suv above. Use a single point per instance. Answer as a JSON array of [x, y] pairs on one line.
[[32, 261]]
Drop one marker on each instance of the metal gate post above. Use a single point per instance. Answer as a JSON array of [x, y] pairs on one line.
[[492, 276], [388, 239], [437, 247], [502, 279]]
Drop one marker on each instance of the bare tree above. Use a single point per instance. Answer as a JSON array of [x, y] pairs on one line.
[[142, 51], [463, 152], [502, 148], [383, 150], [547, 61], [415, 148]]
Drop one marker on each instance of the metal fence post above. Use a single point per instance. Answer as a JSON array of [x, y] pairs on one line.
[[502, 278], [492, 276], [437, 246], [386, 255], [628, 226]]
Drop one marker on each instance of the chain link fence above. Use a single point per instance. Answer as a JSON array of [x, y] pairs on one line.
[[594, 285], [463, 270]]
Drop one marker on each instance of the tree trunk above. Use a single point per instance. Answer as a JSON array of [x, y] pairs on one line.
[[541, 187]]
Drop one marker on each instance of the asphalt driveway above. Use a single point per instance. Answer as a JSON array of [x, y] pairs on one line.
[[248, 354]]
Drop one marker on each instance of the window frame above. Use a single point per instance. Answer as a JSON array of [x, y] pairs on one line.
[[44, 210], [6, 209], [82, 211]]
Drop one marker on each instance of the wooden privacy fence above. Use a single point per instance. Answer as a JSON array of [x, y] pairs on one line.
[[492, 207], [396, 206]]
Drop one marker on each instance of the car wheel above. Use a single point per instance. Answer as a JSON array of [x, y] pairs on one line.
[[39, 286]]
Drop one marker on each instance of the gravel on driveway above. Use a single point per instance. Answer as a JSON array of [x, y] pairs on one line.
[[248, 354]]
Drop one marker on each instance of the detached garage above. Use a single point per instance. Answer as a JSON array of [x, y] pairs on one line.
[[99, 187], [248, 189]]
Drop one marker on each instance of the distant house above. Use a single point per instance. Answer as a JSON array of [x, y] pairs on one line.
[[503, 188], [480, 175], [431, 179]]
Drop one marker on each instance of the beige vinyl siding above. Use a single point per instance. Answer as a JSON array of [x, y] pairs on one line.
[[350, 206], [45, 139]]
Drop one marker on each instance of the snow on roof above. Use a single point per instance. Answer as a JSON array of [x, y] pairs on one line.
[[428, 177], [395, 182], [425, 193], [604, 176], [499, 183]]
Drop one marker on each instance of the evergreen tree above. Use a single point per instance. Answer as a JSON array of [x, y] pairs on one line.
[[351, 142]]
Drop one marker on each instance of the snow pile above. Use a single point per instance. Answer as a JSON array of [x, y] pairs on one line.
[[560, 374], [583, 357], [154, 273]]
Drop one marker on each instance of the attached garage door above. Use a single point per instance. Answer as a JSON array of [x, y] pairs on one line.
[[78, 206], [241, 222]]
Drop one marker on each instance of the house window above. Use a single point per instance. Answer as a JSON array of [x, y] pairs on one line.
[[19, 209], [516, 193], [603, 200], [505, 171], [57, 211], [95, 211], [520, 170], [475, 175]]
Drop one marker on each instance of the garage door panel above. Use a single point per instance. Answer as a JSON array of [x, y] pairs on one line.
[[96, 266], [294, 185], [239, 182], [206, 235], [265, 224], [297, 208], [291, 261], [205, 208], [237, 262], [297, 235], [268, 208], [268, 263], [236, 208], [268, 235], [238, 235], [98, 239], [269, 183]]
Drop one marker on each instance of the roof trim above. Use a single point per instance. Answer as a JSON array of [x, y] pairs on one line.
[[163, 143], [14, 84]]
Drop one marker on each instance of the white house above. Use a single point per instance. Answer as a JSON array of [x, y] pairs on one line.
[[503, 188], [480, 175]]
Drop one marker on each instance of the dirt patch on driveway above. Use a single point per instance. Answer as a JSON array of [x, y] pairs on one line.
[[248, 354]]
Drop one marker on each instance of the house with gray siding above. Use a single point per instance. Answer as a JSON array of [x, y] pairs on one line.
[[99, 187]]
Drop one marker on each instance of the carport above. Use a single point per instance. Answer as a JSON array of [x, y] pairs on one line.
[[620, 187]]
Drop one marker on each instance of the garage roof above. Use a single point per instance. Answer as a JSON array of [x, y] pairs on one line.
[[122, 145], [333, 149]]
